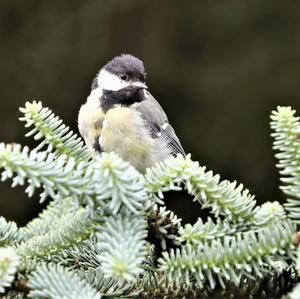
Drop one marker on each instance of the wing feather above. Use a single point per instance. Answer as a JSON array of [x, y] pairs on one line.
[[158, 123]]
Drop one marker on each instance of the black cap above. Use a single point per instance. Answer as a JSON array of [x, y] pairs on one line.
[[126, 64]]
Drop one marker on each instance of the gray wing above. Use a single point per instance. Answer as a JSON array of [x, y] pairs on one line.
[[158, 123]]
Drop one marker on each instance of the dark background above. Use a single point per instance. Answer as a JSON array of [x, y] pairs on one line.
[[217, 67]]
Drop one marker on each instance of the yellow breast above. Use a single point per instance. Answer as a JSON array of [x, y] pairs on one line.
[[124, 132]]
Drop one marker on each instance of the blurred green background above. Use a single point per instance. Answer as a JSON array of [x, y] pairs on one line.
[[218, 68]]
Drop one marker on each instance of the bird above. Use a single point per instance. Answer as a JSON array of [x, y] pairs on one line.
[[120, 115]]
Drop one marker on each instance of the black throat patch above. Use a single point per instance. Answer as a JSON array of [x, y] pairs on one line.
[[125, 97]]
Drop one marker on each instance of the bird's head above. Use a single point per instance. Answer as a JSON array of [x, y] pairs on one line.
[[124, 71]]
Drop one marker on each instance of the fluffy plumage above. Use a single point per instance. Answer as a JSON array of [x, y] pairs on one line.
[[120, 115]]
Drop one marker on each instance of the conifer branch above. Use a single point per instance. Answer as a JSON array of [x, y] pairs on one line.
[[286, 136], [9, 262], [108, 181], [55, 282], [295, 293], [59, 178], [9, 232], [55, 213], [73, 229], [83, 259], [120, 185], [121, 241], [108, 287], [54, 133], [223, 197], [82, 256], [163, 225], [218, 262], [269, 213], [96, 226], [205, 231]]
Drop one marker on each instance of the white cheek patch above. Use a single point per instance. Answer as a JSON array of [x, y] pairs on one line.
[[95, 95], [109, 81]]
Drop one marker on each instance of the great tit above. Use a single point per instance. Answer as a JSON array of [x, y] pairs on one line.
[[121, 115]]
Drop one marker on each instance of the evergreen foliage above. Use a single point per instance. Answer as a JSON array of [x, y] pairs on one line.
[[53, 132], [56, 212], [53, 281], [122, 247], [107, 234], [163, 225], [286, 135], [9, 261], [222, 197], [9, 232], [63, 234], [230, 260]]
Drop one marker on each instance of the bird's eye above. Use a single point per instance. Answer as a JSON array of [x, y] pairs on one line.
[[124, 77]]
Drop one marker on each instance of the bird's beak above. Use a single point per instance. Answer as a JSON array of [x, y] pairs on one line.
[[139, 84]]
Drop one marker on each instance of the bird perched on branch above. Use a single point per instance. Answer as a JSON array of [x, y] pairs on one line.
[[121, 115]]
